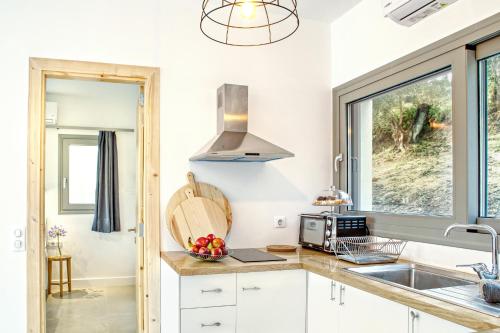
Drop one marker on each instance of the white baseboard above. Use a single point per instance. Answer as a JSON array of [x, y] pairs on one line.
[[101, 282]]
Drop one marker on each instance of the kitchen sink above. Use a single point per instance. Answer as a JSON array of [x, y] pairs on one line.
[[411, 276], [429, 281]]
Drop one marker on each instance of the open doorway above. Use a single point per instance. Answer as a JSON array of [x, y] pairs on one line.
[[94, 182], [90, 205]]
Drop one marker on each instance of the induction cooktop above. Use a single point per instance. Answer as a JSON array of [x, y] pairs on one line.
[[254, 255]]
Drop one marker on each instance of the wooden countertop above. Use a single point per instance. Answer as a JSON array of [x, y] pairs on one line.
[[328, 266]]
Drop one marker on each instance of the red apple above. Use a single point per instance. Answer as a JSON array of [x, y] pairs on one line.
[[204, 250], [210, 237], [195, 249], [202, 242], [218, 243], [216, 252], [224, 251]]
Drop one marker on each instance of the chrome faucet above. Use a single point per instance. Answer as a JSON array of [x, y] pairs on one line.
[[481, 269]]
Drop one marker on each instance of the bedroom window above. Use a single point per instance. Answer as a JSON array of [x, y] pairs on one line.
[[77, 173]]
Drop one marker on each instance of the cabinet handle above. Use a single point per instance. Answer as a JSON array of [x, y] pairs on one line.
[[251, 288], [342, 294], [333, 291], [414, 316], [216, 290], [216, 324]]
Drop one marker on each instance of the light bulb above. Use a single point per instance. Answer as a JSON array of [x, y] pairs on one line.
[[248, 9]]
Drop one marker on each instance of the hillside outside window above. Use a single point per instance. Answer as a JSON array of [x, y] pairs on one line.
[[400, 148]]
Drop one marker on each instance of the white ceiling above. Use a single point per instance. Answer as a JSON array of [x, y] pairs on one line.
[[324, 10]]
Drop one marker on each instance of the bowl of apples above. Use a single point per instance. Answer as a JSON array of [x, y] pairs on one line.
[[208, 248]]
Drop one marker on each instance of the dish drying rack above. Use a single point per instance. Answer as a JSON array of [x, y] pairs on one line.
[[367, 249]]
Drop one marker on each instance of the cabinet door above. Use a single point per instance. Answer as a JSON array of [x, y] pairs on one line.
[[322, 304], [271, 302], [421, 322], [360, 311]]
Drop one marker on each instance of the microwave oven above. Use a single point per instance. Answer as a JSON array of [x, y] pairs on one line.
[[319, 231]]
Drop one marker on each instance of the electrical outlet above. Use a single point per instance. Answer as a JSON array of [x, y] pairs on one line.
[[280, 222], [18, 239]]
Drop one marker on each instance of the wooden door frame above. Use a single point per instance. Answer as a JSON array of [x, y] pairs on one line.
[[148, 183]]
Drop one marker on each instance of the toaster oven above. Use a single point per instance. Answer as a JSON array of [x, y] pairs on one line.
[[318, 230]]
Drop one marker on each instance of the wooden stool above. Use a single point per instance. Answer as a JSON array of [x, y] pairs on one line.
[[51, 259]]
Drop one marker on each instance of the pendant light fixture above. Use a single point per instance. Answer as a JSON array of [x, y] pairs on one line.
[[249, 22]]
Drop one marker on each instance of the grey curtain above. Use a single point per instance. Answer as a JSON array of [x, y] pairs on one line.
[[107, 208]]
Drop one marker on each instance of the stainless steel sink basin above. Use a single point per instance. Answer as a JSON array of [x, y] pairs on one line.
[[431, 282], [411, 276]]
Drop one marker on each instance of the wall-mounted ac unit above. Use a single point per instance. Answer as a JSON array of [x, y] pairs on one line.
[[50, 113], [409, 12]]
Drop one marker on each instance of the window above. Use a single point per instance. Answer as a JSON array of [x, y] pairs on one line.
[[400, 148], [77, 173], [489, 101], [417, 141], [408, 134]]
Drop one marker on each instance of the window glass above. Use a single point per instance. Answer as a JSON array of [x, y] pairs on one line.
[[490, 106], [82, 168], [400, 147]]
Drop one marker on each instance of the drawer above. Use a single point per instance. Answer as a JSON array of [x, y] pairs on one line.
[[212, 320], [208, 290]]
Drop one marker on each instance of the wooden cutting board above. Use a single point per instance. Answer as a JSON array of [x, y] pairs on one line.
[[199, 190], [281, 248], [197, 217]]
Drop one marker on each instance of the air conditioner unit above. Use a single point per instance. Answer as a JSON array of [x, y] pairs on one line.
[[409, 12]]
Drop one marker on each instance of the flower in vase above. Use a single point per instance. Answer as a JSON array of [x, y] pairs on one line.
[[57, 232]]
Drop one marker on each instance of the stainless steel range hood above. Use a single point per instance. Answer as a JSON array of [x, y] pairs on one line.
[[233, 143]]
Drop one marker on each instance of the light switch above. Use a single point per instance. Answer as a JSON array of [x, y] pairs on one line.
[[19, 241]]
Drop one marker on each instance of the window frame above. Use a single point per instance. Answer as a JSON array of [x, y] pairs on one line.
[[459, 52], [485, 50], [65, 140]]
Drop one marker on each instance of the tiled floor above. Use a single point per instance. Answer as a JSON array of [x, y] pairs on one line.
[[100, 310]]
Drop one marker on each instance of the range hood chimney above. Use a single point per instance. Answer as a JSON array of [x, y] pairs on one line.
[[233, 143]]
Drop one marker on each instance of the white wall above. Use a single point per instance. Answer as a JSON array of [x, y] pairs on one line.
[[97, 259], [289, 101], [289, 105], [363, 40]]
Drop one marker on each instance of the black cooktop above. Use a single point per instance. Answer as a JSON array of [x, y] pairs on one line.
[[253, 255]]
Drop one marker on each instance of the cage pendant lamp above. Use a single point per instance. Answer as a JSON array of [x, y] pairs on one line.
[[249, 22]]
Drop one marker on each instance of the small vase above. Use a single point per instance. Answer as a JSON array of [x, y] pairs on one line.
[[59, 247]]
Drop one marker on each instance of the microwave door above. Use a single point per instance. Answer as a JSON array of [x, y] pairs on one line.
[[313, 231]]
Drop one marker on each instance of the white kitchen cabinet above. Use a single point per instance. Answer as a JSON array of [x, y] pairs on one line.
[[322, 314], [271, 302], [421, 322], [213, 320], [279, 302], [334, 307], [360, 311]]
